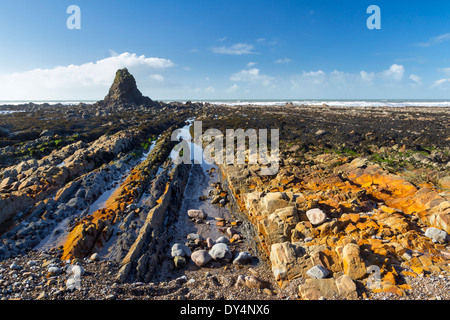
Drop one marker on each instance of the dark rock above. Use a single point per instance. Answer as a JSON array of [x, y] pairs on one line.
[[124, 91]]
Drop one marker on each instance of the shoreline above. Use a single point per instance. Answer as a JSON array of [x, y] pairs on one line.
[[258, 103]]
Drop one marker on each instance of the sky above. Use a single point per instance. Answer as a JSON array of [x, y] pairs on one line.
[[226, 49]]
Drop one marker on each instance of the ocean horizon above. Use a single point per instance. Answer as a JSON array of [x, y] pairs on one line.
[[267, 102]]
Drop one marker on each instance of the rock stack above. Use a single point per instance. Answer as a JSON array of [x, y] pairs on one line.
[[124, 91]]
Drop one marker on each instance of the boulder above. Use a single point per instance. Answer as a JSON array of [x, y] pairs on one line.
[[275, 200], [354, 267], [346, 287], [437, 235], [317, 272], [316, 216], [222, 240], [220, 251], [197, 214], [314, 289], [179, 249], [342, 287], [200, 257], [243, 258], [278, 226], [289, 260]]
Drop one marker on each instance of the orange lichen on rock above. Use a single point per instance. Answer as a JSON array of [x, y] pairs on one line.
[[93, 231], [87, 233]]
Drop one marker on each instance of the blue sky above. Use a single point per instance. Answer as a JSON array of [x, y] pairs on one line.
[[226, 49]]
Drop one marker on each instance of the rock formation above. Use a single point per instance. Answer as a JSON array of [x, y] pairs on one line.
[[124, 91]]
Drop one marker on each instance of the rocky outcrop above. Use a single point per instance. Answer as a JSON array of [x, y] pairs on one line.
[[398, 193], [144, 254], [35, 180], [347, 216], [93, 231], [124, 91]]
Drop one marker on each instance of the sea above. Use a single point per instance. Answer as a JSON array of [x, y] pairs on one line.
[[267, 102]]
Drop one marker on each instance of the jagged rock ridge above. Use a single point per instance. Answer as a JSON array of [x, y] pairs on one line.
[[124, 91]]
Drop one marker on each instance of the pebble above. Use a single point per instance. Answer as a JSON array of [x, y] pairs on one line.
[[42, 296], [182, 279], [94, 257], [231, 231], [53, 271], [15, 266], [210, 242]]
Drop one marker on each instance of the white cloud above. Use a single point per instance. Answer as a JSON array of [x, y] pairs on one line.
[[157, 77], [308, 83], [235, 49], [251, 75], [233, 88], [415, 78], [367, 76], [86, 81], [314, 77], [283, 61], [113, 53], [395, 72], [435, 40], [251, 64], [445, 70], [440, 83], [344, 85]]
